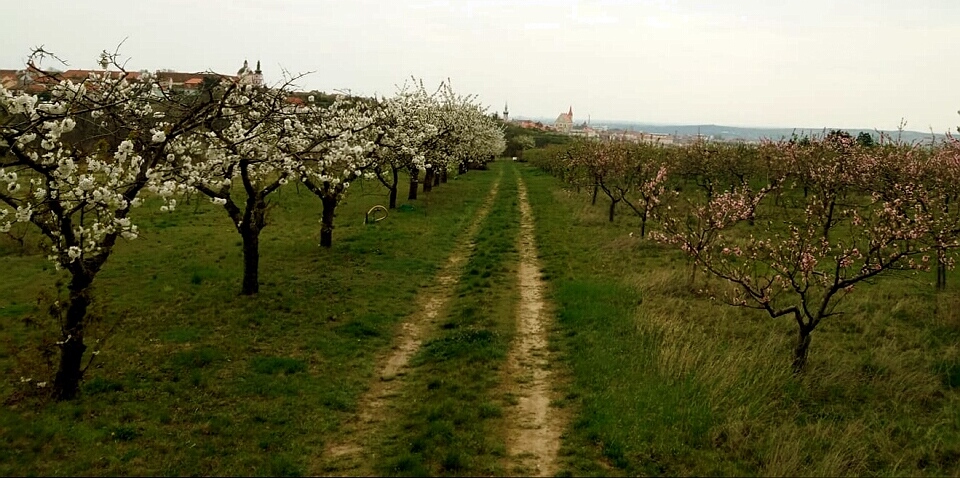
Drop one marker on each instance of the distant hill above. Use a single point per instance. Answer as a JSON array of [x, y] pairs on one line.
[[748, 134]]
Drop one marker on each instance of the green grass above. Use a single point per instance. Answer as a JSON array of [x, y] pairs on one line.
[[626, 399], [665, 381], [192, 378], [657, 378], [450, 413]]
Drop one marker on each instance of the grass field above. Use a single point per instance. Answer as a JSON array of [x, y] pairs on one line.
[[667, 381], [658, 379], [195, 379]]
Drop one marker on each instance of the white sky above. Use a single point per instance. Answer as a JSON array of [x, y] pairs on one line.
[[788, 63]]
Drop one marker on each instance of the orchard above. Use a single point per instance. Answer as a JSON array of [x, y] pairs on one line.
[[789, 227], [192, 285], [78, 158]]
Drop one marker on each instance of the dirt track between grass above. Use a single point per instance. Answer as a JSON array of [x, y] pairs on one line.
[[533, 426], [348, 455]]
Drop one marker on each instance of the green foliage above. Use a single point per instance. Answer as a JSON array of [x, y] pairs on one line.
[[522, 143], [518, 139]]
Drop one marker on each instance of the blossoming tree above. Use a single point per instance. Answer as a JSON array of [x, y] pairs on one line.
[[801, 263], [246, 144], [468, 134], [341, 142], [404, 129], [936, 172], [943, 182], [78, 191], [649, 176]]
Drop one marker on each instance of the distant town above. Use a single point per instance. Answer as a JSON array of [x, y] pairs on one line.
[[36, 80], [565, 124], [677, 134]]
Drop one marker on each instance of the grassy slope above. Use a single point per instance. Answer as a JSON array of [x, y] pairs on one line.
[[196, 380], [668, 382]]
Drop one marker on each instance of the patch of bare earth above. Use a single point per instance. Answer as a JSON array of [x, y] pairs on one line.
[[533, 427], [347, 455]]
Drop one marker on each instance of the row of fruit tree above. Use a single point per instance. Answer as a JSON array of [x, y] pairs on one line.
[[789, 227], [76, 158]]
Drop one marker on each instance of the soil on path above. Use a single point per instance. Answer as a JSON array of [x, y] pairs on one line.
[[347, 456], [533, 426]]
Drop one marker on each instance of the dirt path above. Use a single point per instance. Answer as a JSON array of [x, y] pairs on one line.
[[347, 456], [533, 426]]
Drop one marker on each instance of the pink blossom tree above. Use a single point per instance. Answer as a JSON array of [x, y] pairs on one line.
[[649, 177], [802, 264]]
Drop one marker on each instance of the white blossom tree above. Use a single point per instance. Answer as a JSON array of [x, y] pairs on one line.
[[246, 145], [405, 129], [74, 165], [340, 150], [466, 134]]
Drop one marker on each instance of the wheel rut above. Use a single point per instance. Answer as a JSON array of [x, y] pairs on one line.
[[533, 427], [348, 455]]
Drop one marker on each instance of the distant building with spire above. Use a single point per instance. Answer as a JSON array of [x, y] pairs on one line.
[[248, 76], [564, 122], [258, 75], [506, 113]]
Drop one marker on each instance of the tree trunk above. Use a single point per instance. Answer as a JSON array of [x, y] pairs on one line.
[[436, 177], [393, 197], [941, 269], [393, 189], [613, 206], [829, 220], [414, 175], [800, 352], [428, 180], [643, 224], [66, 385], [596, 189], [326, 227], [443, 176], [251, 260]]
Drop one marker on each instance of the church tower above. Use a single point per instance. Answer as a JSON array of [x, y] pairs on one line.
[[506, 114], [258, 76], [246, 76], [244, 73]]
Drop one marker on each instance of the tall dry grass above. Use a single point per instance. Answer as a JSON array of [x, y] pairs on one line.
[[879, 396]]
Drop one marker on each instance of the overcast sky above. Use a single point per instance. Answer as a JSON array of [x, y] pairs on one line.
[[789, 63]]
